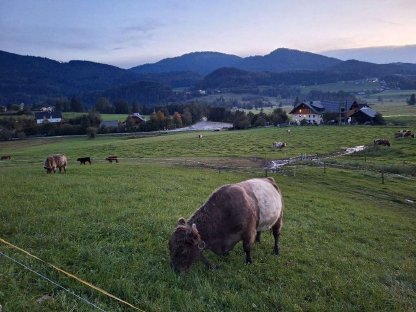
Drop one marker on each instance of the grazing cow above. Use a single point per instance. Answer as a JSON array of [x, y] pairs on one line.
[[279, 145], [83, 160], [200, 136], [383, 142], [404, 134], [112, 158], [55, 161], [288, 131], [6, 157], [234, 212]]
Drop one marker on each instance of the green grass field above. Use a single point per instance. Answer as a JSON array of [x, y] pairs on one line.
[[104, 117], [348, 241]]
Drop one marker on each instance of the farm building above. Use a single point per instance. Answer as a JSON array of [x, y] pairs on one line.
[[53, 117], [313, 112], [134, 119], [361, 113]]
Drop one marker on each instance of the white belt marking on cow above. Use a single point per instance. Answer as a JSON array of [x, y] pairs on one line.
[[270, 204]]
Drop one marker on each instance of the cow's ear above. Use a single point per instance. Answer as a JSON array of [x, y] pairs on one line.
[[181, 221]]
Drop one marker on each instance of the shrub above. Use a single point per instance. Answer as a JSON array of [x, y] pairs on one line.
[[91, 132]]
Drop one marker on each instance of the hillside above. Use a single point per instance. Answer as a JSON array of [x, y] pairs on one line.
[[205, 62], [281, 60], [397, 74], [36, 80], [198, 62], [31, 79]]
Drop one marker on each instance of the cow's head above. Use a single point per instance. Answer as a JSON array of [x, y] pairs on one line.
[[185, 246]]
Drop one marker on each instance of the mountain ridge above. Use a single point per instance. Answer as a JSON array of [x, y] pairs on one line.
[[32, 79]]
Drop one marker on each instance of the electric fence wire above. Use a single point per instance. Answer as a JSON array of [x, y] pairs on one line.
[[51, 281]]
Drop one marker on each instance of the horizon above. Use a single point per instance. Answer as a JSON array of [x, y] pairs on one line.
[[129, 33]]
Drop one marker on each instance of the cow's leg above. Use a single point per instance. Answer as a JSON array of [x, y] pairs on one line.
[[258, 237], [248, 241], [277, 227]]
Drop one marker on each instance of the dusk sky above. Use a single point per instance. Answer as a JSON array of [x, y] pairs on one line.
[[133, 32]]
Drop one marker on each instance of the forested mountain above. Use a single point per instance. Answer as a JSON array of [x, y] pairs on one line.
[[402, 75], [173, 79], [205, 62], [28, 78], [198, 62], [33, 80], [281, 60]]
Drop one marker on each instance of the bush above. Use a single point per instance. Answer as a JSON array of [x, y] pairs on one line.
[[91, 132]]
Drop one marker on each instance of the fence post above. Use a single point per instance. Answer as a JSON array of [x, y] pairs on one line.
[[265, 172], [324, 167], [382, 177], [294, 171], [219, 170]]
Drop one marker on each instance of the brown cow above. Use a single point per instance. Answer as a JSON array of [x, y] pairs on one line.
[[232, 213], [55, 161], [112, 158], [6, 157]]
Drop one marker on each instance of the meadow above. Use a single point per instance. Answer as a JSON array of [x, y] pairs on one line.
[[348, 242]]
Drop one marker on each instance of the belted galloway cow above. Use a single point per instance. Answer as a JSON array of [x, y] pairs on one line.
[[55, 161], [279, 145], [233, 213]]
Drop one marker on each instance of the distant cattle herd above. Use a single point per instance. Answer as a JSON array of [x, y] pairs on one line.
[[60, 161]]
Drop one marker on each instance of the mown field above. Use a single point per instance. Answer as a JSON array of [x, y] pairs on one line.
[[348, 241]]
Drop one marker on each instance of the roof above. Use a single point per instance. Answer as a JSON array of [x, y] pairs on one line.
[[368, 111], [48, 115], [137, 115]]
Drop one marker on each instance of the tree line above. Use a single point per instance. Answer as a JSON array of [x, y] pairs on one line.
[[161, 118]]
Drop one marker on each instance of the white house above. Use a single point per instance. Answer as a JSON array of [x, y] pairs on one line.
[[52, 117]]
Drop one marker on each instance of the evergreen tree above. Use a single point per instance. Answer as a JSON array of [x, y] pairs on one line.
[[412, 100], [76, 105]]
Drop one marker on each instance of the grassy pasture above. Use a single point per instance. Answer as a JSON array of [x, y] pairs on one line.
[[256, 143], [348, 242], [105, 117]]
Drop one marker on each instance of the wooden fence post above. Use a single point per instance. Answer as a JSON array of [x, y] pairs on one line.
[[324, 167], [382, 177], [265, 172]]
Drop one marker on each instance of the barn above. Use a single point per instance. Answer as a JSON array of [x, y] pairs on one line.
[[361, 113]]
